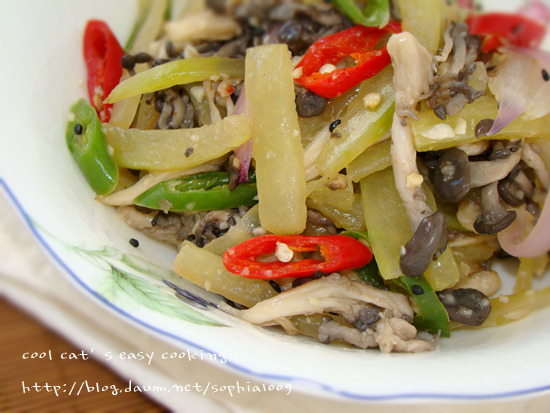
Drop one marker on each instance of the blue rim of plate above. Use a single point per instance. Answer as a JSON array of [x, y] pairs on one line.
[[239, 368]]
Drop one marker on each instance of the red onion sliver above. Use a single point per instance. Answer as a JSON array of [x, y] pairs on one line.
[[537, 11], [537, 242], [507, 112], [541, 55]]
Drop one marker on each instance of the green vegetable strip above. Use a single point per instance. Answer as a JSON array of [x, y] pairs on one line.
[[178, 72], [276, 139], [373, 159], [377, 12], [156, 150], [433, 134], [360, 127], [207, 191], [389, 230], [88, 146], [124, 112], [432, 316], [206, 269]]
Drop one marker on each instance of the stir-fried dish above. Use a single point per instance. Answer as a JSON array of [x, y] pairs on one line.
[[350, 171]]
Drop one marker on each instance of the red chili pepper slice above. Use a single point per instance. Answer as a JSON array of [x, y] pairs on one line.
[[501, 29], [357, 42], [340, 252], [102, 54]]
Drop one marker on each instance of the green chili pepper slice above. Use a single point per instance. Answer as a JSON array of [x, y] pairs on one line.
[[432, 316], [88, 146], [208, 191], [368, 273]]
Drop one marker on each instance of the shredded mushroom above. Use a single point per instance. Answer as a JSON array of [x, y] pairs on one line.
[[390, 330], [413, 75]]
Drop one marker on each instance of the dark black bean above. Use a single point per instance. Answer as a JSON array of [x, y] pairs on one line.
[[275, 286], [466, 305], [417, 289], [78, 129], [334, 125], [483, 127], [309, 104], [134, 242], [128, 61], [545, 75], [189, 152]]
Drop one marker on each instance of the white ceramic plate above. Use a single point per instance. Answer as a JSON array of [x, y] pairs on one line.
[[42, 75]]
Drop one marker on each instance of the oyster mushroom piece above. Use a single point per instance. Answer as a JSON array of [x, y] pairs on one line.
[[483, 173], [427, 243], [403, 159], [390, 334], [533, 160], [413, 75], [451, 177], [516, 187], [466, 305], [334, 293], [205, 25], [413, 72], [494, 217]]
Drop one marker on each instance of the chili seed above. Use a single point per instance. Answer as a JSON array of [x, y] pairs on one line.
[[275, 286], [189, 152], [334, 125], [417, 290], [483, 127], [545, 75], [134, 242], [78, 129]]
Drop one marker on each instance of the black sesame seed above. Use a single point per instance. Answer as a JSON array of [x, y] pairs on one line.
[[189, 152], [78, 129], [134, 242], [275, 286], [334, 125], [545, 75], [417, 290]]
